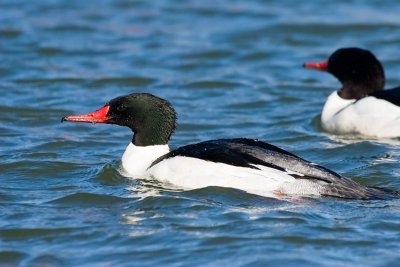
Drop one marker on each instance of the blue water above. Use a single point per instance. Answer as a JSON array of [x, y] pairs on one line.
[[231, 69]]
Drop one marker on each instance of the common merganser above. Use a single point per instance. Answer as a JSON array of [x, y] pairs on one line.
[[247, 164], [361, 106]]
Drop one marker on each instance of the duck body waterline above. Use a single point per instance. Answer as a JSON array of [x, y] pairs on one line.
[[247, 164], [368, 116], [361, 106]]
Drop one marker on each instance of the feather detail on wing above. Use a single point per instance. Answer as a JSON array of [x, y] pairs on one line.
[[248, 153]]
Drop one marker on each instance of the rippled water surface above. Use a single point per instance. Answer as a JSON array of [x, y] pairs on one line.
[[230, 68]]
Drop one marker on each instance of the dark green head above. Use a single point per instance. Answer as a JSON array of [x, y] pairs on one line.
[[152, 119]]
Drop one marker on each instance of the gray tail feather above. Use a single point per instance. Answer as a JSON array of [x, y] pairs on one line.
[[346, 188]]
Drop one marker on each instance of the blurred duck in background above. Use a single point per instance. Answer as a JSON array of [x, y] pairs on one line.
[[361, 106]]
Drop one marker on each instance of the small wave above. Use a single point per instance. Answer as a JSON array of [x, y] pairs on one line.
[[110, 175], [124, 81], [212, 84], [89, 199], [49, 81], [255, 104], [10, 33], [12, 257], [46, 260], [72, 28], [25, 233], [210, 54]]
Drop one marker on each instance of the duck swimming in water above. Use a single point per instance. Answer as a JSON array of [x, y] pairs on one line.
[[361, 106], [247, 164]]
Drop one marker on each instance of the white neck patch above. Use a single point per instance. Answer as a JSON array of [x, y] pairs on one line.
[[137, 159]]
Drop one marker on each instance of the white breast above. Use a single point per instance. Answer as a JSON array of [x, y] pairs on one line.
[[368, 116], [137, 159]]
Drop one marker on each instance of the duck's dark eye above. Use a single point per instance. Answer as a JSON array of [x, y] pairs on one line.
[[121, 108]]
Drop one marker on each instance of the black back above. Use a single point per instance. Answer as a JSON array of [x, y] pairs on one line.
[[391, 95]]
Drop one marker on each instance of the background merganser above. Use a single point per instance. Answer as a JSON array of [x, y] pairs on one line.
[[250, 165], [361, 106]]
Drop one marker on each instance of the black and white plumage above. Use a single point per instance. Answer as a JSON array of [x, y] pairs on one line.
[[247, 164], [391, 95], [361, 106], [258, 155]]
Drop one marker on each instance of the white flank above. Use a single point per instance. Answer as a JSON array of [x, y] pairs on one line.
[[192, 173], [137, 159], [368, 116]]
